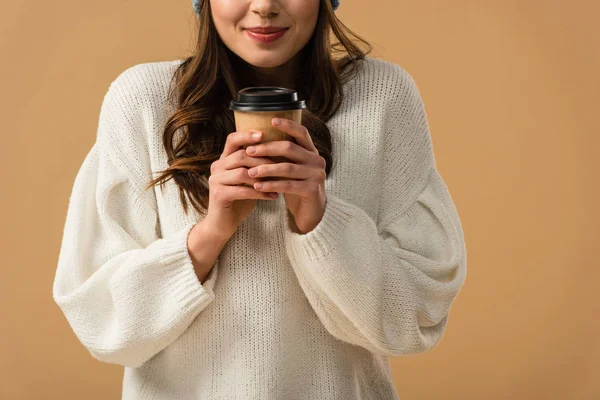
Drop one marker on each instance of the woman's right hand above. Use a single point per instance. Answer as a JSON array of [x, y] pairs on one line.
[[232, 196]]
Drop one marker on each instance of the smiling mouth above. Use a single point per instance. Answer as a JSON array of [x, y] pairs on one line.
[[265, 37]]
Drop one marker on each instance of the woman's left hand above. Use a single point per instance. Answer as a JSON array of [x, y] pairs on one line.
[[304, 188]]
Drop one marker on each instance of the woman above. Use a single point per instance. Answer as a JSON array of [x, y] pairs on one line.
[[302, 296]]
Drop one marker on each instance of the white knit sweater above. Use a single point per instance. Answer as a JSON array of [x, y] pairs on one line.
[[283, 315]]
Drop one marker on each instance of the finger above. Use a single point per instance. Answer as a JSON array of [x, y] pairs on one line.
[[234, 177], [283, 169], [285, 148], [235, 140], [301, 187], [298, 131], [241, 159], [244, 192]]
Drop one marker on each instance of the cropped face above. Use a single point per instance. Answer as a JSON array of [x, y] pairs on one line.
[[235, 20]]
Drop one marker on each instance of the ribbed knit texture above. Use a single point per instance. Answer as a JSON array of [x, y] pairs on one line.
[[282, 315]]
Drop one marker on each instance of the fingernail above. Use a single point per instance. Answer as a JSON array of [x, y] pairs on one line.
[[276, 121], [259, 185], [251, 149], [252, 171], [256, 135]]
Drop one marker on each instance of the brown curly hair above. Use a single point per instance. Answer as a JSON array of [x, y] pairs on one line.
[[204, 83]]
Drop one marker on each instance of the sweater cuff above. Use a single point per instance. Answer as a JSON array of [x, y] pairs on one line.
[[185, 287], [324, 238]]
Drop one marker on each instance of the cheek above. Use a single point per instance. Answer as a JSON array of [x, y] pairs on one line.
[[303, 10], [305, 14], [226, 14]]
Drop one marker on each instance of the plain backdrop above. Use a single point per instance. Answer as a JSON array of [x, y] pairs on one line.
[[512, 93]]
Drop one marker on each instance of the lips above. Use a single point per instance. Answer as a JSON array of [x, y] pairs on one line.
[[265, 38], [266, 30]]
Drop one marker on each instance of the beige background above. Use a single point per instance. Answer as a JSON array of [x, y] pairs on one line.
[[512, 94]]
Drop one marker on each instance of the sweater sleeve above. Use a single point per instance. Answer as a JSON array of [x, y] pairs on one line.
[[126, 292], [387, 283]]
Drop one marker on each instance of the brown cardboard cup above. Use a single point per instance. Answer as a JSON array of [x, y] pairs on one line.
[[256, 106]]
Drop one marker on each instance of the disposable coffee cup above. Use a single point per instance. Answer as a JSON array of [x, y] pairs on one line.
[[255, 107]]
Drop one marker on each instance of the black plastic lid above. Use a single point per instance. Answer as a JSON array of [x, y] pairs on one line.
[[266, 98]]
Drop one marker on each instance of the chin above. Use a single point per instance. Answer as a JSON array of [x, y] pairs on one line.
[[266, 62]]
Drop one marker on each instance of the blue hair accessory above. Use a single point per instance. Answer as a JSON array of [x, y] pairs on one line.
[[196, 3]]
